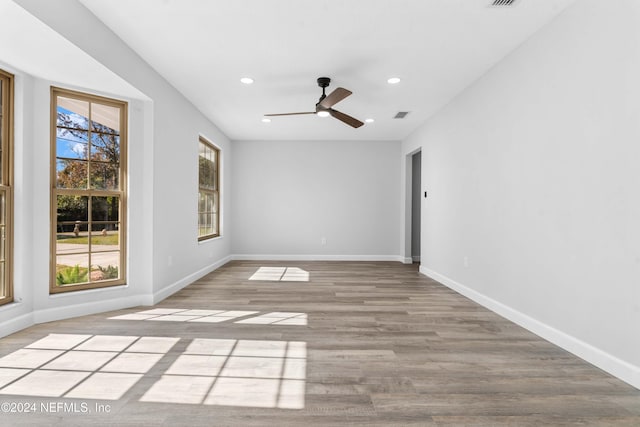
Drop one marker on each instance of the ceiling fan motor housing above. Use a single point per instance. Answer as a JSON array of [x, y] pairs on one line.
[[323, 82]]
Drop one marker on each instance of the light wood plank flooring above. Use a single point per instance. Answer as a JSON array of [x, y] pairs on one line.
[[384, 346]]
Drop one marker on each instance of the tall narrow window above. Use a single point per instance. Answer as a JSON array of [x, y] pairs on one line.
[[6, 197], [209, 191], [88, 200]]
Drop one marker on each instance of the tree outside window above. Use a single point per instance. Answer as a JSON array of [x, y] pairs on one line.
[[88, 201]]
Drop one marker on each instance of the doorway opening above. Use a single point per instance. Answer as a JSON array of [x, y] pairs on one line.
[[416, 205]]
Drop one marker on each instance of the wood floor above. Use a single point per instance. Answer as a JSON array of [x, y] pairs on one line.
[[385, 346]]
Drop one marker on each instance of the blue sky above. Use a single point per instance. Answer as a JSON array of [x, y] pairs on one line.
[[69, 145]]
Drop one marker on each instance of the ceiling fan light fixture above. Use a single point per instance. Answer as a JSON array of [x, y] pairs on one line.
[[369, 120], [266, 120], [324, 106], [393, 80], [246, 80]]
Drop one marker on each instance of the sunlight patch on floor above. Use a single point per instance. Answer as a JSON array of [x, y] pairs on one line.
[[184, 315], [277, 318], [81, 366], [217, 316], [281, 274], [248, 373]]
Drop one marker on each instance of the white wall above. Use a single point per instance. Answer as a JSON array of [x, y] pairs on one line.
[[163, 173], [533, 175], [172, 225], [288, 195]]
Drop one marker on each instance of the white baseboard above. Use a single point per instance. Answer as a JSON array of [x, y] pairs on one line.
[[619, 368], [416, 258], [86, 308], [265, 257], [30, 318], [407, 260], [16, 324], [182, 283]]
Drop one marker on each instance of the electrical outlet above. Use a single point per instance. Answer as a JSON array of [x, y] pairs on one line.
[[323, 241]]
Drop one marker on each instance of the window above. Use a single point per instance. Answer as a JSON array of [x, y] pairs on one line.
[[209, 190], [88, 200], [6, 197]]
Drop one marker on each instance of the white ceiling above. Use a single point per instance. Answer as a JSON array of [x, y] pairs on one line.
[[31, 46], [437, 48]]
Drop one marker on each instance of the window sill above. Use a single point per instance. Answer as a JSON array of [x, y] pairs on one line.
[[211, 239]]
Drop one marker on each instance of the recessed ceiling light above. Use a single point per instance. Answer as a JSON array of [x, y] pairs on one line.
[[266, 120], [369, 120], [323, 113], [246, 80], [393, 80]]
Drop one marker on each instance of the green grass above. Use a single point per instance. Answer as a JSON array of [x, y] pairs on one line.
[[110, 239]]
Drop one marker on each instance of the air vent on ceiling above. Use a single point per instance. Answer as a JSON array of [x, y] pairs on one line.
[[503, 2], [401, 115]]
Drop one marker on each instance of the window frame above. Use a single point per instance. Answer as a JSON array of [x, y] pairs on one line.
[[121, 192], [6, 182], [215, 192]]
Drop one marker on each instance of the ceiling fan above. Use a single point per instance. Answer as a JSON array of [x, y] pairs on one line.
[[323, 107]]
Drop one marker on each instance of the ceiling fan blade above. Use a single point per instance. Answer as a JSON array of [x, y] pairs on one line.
[[351, 121], [290, 114], [334, 97]]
